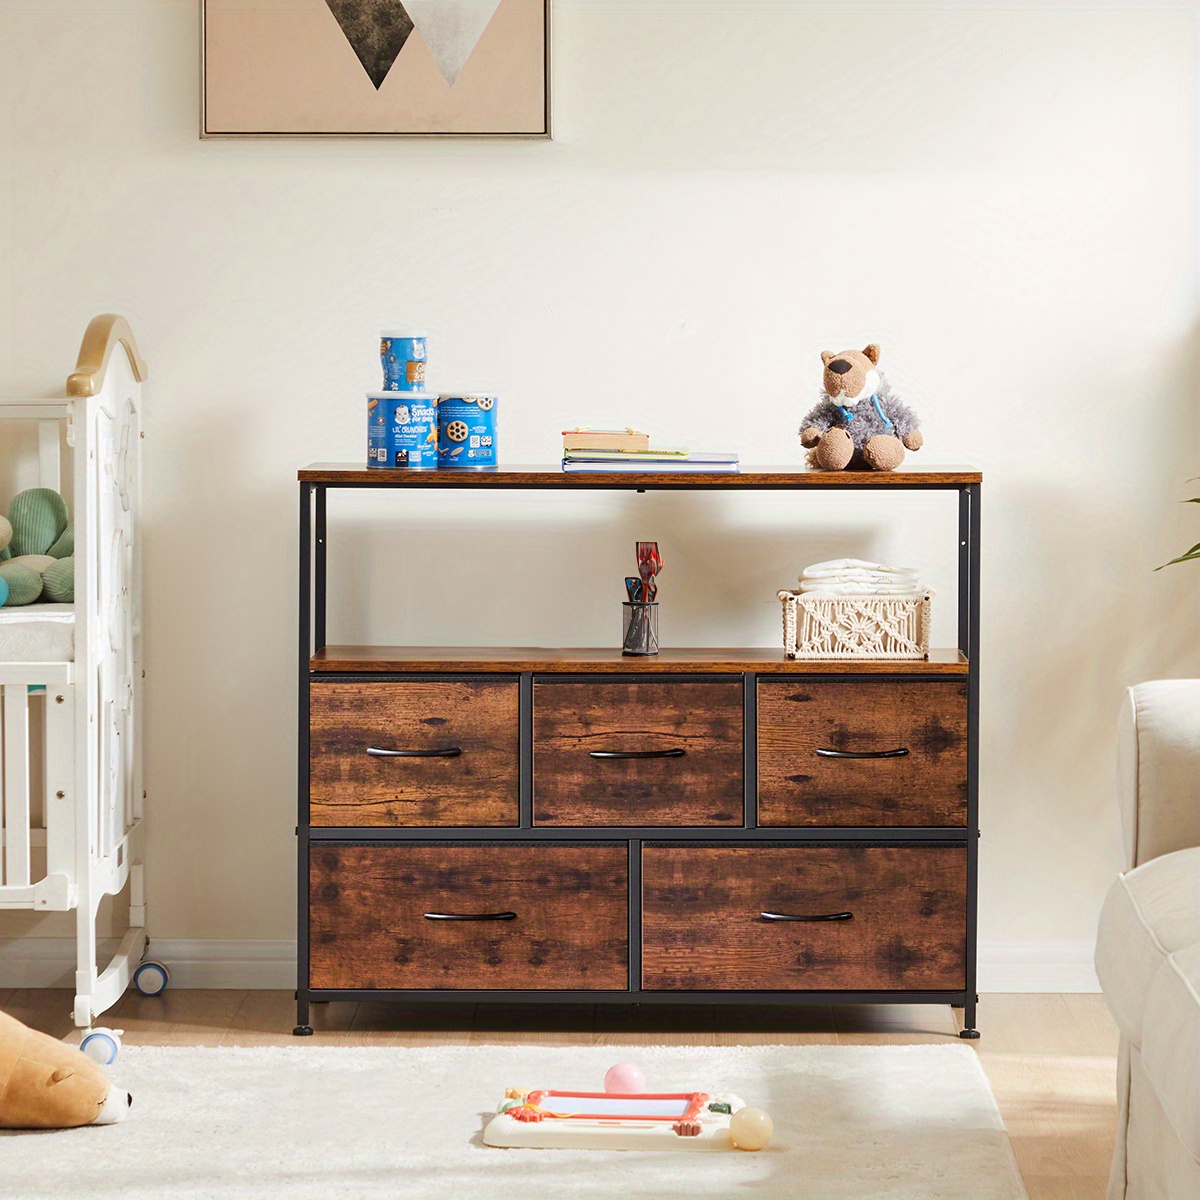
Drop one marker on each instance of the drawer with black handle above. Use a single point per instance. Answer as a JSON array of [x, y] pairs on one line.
[[637, 754], [842, 753], [804, 917], [508, 916], [423, 752]]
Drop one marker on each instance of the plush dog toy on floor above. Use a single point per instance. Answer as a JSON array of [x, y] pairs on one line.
[[46, 1084], [858, 422]]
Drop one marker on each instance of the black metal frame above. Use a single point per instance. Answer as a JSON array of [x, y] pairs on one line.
[[312, 628]]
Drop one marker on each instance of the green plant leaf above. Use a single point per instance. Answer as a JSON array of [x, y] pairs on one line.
[[1193, 553]]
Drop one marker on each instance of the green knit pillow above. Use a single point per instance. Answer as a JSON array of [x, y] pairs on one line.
[[59, 582], [65, 546], [38, 518], [34, 562], [24, 585]]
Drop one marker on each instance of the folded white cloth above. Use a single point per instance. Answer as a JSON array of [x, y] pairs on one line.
[[811, 587], [853, 567], [856, 577], [859, 577]]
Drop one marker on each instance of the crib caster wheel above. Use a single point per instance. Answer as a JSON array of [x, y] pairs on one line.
[[102, 1045], [151, 978]]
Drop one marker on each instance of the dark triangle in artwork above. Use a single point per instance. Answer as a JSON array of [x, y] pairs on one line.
[[376, 30]]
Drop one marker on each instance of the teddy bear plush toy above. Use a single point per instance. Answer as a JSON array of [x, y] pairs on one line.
[[46, 1084], [858, 422], [37, 548]]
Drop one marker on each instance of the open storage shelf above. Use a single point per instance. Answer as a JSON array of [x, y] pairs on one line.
[[787, 478], [698, 661]]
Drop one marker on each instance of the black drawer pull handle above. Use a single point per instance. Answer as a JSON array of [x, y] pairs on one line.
[[900, 753], [676, 753], [500, 916], [842, 916], [450, 752]]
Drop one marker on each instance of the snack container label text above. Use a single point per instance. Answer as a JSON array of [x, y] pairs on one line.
[[402, 431], [467, 431], [403, 360]]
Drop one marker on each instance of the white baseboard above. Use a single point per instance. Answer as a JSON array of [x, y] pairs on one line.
[[193, 963], [258, 963], [1037, 967], [271, 963]]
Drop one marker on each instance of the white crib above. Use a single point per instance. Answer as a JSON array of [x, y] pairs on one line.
[[74, 834]]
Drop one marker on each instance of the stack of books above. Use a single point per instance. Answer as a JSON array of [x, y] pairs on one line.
[[628, 450]]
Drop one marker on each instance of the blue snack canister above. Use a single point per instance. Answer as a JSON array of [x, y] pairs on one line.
[[402, 430], [467, 431], [403, 355]]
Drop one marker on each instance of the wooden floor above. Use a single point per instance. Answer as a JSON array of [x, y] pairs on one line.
[[1051, 1058]]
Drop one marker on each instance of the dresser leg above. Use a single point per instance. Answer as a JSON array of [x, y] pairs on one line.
[[303, 1028], [968, 1031]]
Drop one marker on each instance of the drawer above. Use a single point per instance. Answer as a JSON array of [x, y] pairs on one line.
[[886, 752], [632, 754], [705, 922], [421, 753], [498, 916]]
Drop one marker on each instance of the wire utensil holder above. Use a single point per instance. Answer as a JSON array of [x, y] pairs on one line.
[[640, 629]]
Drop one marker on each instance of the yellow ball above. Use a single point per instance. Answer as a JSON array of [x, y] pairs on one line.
[[750, 1128]]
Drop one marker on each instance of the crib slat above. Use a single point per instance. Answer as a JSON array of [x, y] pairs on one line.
[[59, 760], [16, 786]]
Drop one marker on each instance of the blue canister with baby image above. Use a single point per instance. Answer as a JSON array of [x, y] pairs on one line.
[[403, 355], [402, 430], [467, 431]]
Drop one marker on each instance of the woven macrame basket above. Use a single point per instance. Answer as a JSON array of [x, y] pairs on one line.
[[834, 627]]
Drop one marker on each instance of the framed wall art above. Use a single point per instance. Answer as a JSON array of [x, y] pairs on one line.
[[375, 67]]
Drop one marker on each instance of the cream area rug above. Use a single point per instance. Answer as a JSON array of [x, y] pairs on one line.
[[307, 1122]]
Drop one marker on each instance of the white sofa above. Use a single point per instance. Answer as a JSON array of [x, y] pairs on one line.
[[1148, 949]]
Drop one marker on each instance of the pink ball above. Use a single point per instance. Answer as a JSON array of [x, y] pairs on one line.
[[624, 1078]]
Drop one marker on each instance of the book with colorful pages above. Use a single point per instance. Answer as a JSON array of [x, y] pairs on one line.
[[699, 463], [605, 439], [663, 453]]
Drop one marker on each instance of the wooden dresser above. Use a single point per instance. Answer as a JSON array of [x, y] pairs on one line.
[[572, 825]]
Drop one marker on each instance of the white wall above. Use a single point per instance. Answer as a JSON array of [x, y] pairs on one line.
[[1002, 195]]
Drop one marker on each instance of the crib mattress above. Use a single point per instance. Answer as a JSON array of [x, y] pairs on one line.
[[37, 633]]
